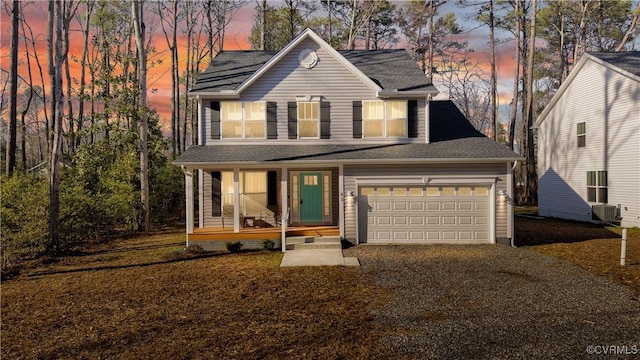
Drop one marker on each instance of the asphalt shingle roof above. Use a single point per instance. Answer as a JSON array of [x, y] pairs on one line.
[[452, 137], [626, 60], [390, 69]]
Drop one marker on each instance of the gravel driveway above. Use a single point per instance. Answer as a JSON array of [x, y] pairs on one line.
[[494, 301]]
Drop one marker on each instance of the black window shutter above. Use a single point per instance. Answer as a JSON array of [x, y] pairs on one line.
[[412, 118], [272, 188], [325, 120], [216, 193], [292, 115], [357, 119], [272, 123], [215, 120]]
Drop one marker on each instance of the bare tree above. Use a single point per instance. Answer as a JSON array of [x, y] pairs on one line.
[[137, 7], [516, 78], [169, 25], [531, 177], [13, 97], [55, 17]]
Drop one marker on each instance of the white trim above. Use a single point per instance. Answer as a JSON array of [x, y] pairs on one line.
[[201, 198], [427, 119], [509, 200], [243, 121], [308, 33], [384, 119], [188, 184], [334, 163], [307, 120], [428, 181], [236, 200], [341, 197], [492, 213], [284, 212], [390, 94]]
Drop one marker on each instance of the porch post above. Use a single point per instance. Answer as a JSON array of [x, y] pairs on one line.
[[509, 200], [341, 196], [188, 184], [236, 200], [284, 194]]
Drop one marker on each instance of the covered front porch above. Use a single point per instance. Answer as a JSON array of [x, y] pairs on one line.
[[263, 203]]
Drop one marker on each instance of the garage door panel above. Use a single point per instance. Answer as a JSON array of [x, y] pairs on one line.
[[448, 206], [426, 214], [399, 220], [400, 206], [448, 220], [416, 206], [432, 206]]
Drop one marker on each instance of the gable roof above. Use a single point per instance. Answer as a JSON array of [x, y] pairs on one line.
[[453, 140], [384, 71], [626, 62]]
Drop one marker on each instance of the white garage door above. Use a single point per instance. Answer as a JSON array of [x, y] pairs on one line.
[[428, 214]]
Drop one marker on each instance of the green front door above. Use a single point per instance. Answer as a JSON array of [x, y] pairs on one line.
[[311, 197]]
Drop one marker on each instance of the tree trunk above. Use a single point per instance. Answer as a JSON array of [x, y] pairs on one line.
[[83, 66], [516, 80], [531, 177], [13, 97], [139, 28], [494, 90], [54, 245], [263, 25], [23, 124]]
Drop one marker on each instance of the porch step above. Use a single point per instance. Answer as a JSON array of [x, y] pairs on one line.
[[313, 242]]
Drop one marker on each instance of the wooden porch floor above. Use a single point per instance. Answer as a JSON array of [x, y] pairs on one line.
[[251, 233]]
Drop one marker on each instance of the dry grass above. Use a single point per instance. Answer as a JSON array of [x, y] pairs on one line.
[[144, 298], [139, 298], [592, 247]]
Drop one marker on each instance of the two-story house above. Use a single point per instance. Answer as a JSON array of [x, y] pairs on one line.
[[314, 138], [589, 142]]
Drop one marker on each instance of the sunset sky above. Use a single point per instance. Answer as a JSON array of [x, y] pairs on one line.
[[237, 33]]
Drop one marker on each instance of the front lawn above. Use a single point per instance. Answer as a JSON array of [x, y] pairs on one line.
[[138, 298], [592, 247]]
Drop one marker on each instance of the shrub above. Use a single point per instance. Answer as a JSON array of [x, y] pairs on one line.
[[233, 247], [24, 214], [267, 244]]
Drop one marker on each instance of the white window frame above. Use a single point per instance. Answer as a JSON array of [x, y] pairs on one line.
[[600, 183], [228, 187], [298, 108], [582, 135], [385, 119], [243, 120]]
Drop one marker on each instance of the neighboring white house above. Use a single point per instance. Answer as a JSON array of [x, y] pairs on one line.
[[589, 140]]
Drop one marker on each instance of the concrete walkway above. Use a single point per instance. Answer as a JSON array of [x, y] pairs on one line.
[[317, 257]]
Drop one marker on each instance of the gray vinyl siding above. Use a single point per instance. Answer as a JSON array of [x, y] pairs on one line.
[[453, 171], [609, 103], [329, 79]]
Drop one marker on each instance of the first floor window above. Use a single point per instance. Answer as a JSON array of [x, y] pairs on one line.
[[384, 118], [597, 186], [252, 190]]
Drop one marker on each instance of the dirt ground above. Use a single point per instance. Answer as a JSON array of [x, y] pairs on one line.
[[146, 297]]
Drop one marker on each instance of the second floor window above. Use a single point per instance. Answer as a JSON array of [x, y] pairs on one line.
[[384, 118], [243, 119], [582, 134], [309, 120]]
